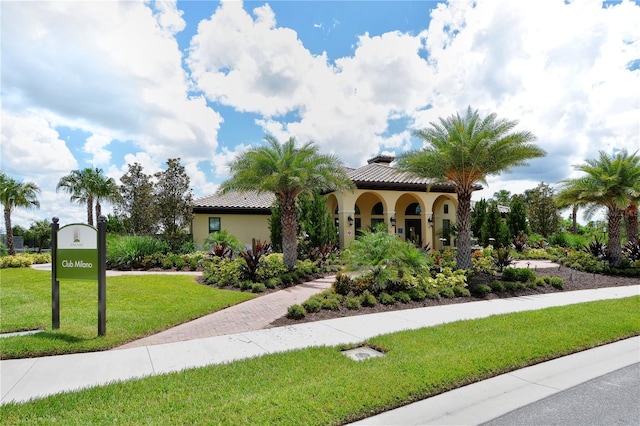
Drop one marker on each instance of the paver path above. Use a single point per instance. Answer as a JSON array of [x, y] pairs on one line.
[[254, 314]]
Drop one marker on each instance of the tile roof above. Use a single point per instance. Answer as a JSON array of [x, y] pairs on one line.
[[372, 176], [236, 200], [380, 173]]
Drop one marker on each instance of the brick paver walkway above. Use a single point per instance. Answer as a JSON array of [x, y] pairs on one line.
[[254, 314]]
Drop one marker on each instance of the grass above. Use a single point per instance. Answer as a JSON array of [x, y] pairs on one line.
[[321, 386], [137, 305]]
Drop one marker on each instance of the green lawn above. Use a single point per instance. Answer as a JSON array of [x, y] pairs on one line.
[[137, 305], [321, 386]]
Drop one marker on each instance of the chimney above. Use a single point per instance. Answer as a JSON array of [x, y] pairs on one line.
[[382, 159]]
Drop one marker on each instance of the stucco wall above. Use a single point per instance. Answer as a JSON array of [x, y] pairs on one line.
[[244, 227]]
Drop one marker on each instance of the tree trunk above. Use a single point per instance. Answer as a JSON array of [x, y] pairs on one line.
[[631, 222], [7, 221], [90, 210], [289, 231], [463, 260], [614, 249], [98, 211], [574, 217]]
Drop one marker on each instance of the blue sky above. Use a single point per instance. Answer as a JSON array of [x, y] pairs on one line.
[[105, 84]]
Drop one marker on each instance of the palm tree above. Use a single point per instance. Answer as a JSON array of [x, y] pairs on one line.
[[86, 186], [14, 194], [286, 171], [463, 151], [612, 182]]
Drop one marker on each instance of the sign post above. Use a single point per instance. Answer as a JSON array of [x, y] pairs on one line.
[[55, 284], [79, 253]]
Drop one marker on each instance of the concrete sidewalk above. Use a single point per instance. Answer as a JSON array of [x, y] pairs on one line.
[[24, 379]]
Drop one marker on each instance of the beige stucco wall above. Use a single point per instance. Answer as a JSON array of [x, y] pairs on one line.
[[248, 226], [243, 226]]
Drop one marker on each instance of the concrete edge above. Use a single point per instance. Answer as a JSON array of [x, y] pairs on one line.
[[485, 400]]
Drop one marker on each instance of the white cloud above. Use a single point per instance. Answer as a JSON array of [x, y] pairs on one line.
[[31, 148], [110, 69]]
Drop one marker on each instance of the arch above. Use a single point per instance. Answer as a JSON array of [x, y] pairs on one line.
[[410, 221], [444, 210], [366, 217]]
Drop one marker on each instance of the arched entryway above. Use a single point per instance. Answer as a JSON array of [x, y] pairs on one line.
[[369, 211], [444, 220]]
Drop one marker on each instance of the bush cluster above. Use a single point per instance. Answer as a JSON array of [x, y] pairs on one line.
[[23, 260]]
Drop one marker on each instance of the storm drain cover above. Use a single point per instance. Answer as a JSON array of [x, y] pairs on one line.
[[362, 353]]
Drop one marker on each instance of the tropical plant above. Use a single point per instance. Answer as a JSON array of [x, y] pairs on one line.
[[463, 151], [286, 171], [87, 186], [40, 232], [15, 194], [612, 182], [223, 238], [253, 256]]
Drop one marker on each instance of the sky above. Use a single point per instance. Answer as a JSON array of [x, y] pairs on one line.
[[110, 83]]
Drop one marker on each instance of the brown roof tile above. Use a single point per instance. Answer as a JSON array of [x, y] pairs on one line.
[[236, 200]]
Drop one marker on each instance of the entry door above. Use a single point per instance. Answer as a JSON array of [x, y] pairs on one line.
[[413, 231]]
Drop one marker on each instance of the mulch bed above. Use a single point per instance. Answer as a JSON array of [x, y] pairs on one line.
[[573, 280]]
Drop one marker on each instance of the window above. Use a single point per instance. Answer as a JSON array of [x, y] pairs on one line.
[[446, 232], [378, 209], [412, 209], [446, 208], [214, 224]]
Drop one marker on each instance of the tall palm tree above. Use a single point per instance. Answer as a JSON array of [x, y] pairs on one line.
[[87, 186], [14, 194], [286, 171], [612, 182], [105, 189], [463, 151]]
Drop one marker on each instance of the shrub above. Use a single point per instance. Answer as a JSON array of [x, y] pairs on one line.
[[272, 283], [368, 299], [518, 274], [432, 293], [287, 279], [331, 304], [353, 303], [537, 253], [461, 292], [513, 285], [17, 261], [258, 288], [540, 282], [417, 294], [497, 287], [313, 304], [481, 290], [582, 261], [128, 252], [270, 266], [447, 292], [343, 284], [484, 264], [386, 299], [448, 278], [401, 297], [556, 282], [246, 285], [223, 272], [296, 312]]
